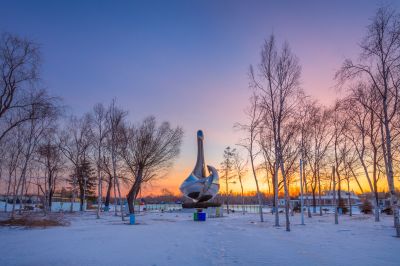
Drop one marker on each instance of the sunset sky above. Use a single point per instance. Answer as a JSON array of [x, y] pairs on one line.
[[183, 61]]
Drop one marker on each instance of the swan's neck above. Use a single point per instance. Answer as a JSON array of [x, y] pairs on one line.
[[200, 168]]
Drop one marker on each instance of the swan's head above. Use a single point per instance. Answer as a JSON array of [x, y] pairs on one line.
[[200, 134]]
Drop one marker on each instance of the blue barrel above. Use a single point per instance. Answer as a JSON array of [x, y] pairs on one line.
[[201, 216], [131, 218]]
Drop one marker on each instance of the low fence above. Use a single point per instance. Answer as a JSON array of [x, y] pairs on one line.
[[170, 207], [248, 208], [163, 207], [55, 206]]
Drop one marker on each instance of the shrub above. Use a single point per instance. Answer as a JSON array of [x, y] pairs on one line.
[[388, 211], [366, 207], [33, 222]]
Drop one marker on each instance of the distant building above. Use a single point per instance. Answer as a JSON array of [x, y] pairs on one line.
[[327, 198]]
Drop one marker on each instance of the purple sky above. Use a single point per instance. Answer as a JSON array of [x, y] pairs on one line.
[[183, 61]]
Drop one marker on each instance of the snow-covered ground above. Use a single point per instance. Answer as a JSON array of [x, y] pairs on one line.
[[175, 239]]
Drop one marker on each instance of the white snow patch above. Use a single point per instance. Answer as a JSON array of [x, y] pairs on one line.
[[175, 239]]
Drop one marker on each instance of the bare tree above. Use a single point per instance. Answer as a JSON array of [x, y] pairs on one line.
[[32, 133], [115, 124], [277, 84], [339, 127], [239, 165], [249, 142], [13, 151], [334, 195], [379, 65], [364, 133], [149, 150], [75, 143], [23, 108], [107, 169], [2, 162], [350, 158], [99, 134], [19, 70], [227, 167], [49, 155], [267, 164], [316, 132], [305, 118]]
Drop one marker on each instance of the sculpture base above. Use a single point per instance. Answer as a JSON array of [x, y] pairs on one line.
[[200, 205]]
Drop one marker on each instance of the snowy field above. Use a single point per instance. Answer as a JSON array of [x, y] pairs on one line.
[[174, 239]]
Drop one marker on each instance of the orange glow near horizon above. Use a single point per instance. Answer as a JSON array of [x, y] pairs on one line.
[[172, 181]]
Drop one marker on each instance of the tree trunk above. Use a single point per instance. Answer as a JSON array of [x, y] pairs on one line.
[[376, 204], [339, 188], [349, 198], [227, 192], [73, 193], [121, 202], [241, 187], [286, 193], [260, 203], [334, 195], [131, 198], [50, 201], [376, 188], [99, 196], [51, 192], [115, 196], [314, 199], [390, 178], [276, 192], [319, 194], [16, 189], [81, 198], [306, 188], [21, 203], [134, 191], [108, 195], [45, 197], [314, 188], [22, 179], [273, 194], [8, 191]]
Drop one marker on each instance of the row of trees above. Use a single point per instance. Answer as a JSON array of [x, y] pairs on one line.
[[358, 134], [43, 150]]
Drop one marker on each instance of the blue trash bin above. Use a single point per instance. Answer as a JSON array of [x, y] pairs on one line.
[[201, 216], [131, 218]]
